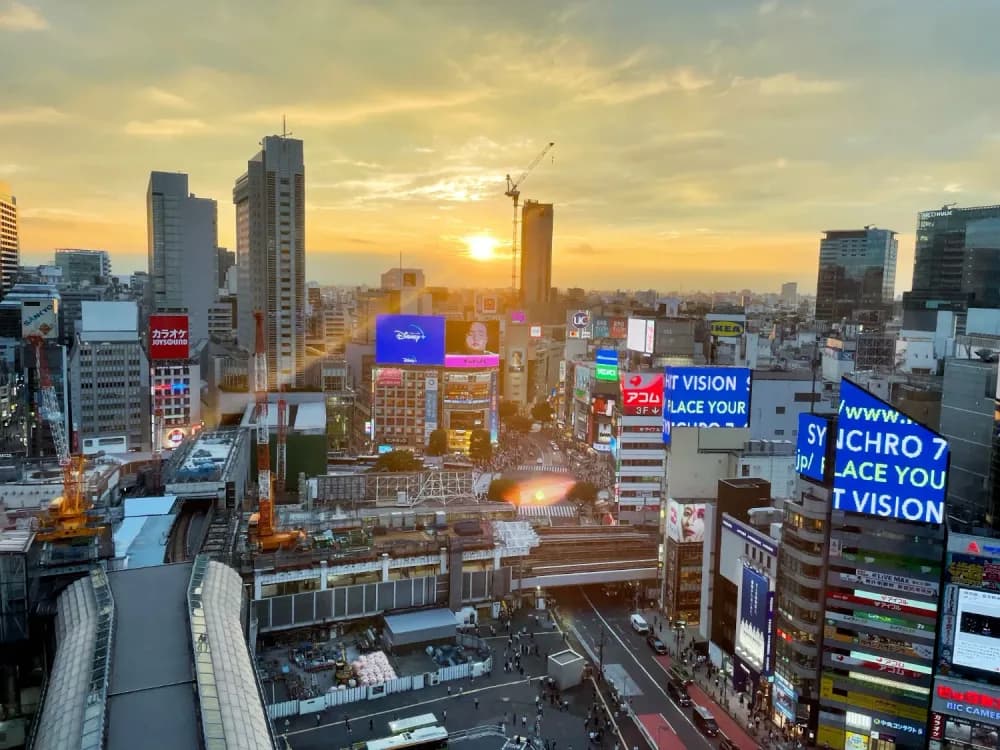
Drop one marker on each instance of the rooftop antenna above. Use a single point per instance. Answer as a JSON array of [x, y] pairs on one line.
[[285, 132], [946, 206]]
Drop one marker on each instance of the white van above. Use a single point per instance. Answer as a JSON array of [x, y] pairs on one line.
[[639, 624]]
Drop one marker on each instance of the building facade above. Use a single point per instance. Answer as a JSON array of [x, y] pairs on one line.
[[10, 244], [536, 253], [857, 274], [176, 400], [182, 236], [270, 251], [83, 266]]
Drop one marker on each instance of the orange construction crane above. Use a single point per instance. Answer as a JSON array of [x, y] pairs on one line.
[[262, 528], [514, 191], [67, 516]]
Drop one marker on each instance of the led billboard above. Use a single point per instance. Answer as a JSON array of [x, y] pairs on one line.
[[886, 464], [642, 394], [810, 446], [472, 343], [610, 328], [409, 340], [753, 633], [685, 521], [607, 365], [168, 337], [637, 339], [705, 397], [515, 361], [977, 631]]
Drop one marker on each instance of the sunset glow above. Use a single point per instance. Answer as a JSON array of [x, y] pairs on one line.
[[481, 246]]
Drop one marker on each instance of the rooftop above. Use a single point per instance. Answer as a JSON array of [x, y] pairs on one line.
[[141, 537]]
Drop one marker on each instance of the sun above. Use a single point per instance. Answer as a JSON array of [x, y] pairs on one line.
[[481, 246]]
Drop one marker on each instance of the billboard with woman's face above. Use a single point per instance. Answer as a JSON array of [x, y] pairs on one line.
[[472, 343]]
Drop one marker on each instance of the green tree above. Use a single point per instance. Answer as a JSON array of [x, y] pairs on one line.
[[583, 495], [502, 490], [398, 461], [480, 448], [542, 411], [437, 443], [507, 409]]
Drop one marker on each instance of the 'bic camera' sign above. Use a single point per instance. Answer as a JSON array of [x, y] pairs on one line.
[[886, 464]]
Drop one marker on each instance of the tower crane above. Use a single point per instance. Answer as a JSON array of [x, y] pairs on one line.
[[514, 192], [262, 522], [67, 516]]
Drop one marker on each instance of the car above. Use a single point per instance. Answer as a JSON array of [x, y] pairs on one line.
[[639, 624], [705, 721], [656, 644], [540, 461], [678, 693]]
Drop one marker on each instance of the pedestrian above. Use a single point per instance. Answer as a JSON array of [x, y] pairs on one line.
[[449, 690], [524, 720], [318, 719], [371, 725], [287, 724], [347, 723], [476, 701]]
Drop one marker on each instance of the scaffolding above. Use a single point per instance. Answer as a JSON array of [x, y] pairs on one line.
[[401, 489]]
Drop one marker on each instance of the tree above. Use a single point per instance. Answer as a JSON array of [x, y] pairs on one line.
[[502, 490], [437, 443], [507, 409], [519, 423], [583, 495], [398, 461], [542, 411], [480, 448]]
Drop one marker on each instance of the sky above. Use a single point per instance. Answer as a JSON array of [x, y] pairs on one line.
[[698, 145]]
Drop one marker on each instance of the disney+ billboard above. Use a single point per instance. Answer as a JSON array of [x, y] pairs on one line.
[[409, 340]]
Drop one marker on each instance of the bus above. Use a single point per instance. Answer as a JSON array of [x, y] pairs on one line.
[[412, 722], [426, 738]]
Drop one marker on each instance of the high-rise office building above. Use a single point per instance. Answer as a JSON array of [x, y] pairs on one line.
[[857, 274], [182, 240], [956, 264], [10, 245], [226, 260], [83, 267], [789, 294], [536, 253], [270, 252]]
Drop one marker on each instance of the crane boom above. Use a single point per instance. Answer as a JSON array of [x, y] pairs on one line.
[[513, 191]]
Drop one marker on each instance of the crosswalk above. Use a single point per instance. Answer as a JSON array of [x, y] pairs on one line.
[[557, 510], [540, 467]]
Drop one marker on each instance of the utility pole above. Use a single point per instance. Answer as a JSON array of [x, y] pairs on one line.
[[600, 650]]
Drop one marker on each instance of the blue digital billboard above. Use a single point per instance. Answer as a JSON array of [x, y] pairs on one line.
[[705, 397], [886, 464], [810, 446], [409, 340], [753, 633]]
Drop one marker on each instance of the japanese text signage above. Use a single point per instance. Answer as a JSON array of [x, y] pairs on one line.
[[810, 447], [642, 394], [168, 337], [409, 340], [607, 365], [705, 397], [886, 464], [971, 700]]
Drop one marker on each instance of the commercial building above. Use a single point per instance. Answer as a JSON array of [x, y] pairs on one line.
[[789, 294], [109, 374], [640, 458], [404, 406], [953, 246], [409, 285], [226, 259], [176, 399], [777, 397], [857, 274], [10, 245], [536, 253], [182, 255], [270, 249], [83, 267], [469, 401]]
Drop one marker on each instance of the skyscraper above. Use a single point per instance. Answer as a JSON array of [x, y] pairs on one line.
[[182, 239], [270, 255], [956, 264], [857, 274], [10, 245], [83, 266], [536, 253]]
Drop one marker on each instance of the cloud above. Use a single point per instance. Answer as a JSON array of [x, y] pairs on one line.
[[623, 92], [163, 98], [164, 128], [18, 17], [363, 111], [767, 8], [790, 84], [9, 169], [31, 116]]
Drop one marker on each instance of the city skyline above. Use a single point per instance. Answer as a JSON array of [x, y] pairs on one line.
[[712, 148]]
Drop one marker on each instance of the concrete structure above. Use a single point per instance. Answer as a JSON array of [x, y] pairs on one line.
[[857, 274], [536, 253], [83, 267], [270, 249], [176, 396], [182, 255], [109, 374], [408, 284], [699, 457], [789, 294], [226, 259], [404, 406], [215, 466], [10, 244], [777, 397], [640, 468]]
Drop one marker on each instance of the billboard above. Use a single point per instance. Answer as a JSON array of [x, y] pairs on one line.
[[642, 394], [685, 522], [430, 405], [168, 337], [725, 329], [640, 335], [705, 397], [753, 633], [810, 446], [886, 464], [535, 332], [472, 343], [409, 340], [40, 317], [488, 304], [607, 365], [579, 324], [515, 362], [977, 631], [618, 328], [388, 377]]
